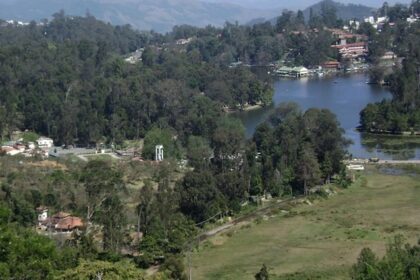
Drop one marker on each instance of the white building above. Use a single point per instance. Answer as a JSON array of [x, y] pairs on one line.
[[370, 20], [45, 142], [381, 19], [354, 23], [42, 214]]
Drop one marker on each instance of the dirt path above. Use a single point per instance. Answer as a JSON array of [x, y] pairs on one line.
[[248, 217]]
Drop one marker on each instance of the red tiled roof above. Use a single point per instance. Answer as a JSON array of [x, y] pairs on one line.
[[69, 223]]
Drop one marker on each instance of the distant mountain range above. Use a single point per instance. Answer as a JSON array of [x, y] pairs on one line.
[[301, 4], [162, 15], [159, 15], [344, 11]]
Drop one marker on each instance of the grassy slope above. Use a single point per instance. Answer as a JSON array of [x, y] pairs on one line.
[[324, 239]]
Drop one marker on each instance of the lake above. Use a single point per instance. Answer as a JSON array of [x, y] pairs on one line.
[[345, 96]]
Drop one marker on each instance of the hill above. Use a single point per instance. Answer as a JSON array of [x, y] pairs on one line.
[[344, 11], [159, 15], [300, 4]]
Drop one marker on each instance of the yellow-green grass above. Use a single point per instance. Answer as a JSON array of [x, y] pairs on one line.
[[323, 240]]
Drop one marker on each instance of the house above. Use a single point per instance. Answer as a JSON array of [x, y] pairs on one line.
[[353, 50], [300, 71], [45, 142], [60, 222], [135, 56], [331, 65], [413, 19], [355, 24], [69, 224], [390, 55], [292, 72], [184, 41]]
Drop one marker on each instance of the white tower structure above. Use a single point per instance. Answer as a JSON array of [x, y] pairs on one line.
[[159, 152]]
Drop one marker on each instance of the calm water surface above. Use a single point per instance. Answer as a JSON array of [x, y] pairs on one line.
[[345, 96]]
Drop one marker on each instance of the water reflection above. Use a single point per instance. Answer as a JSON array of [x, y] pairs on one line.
[[346, 96]]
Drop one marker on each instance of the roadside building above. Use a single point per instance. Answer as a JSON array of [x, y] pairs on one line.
[[60, 222]]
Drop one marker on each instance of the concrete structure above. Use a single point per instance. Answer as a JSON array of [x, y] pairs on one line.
[[159, 153], [45, 142]]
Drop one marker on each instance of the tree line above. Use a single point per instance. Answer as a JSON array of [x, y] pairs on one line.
[[67, 79], [401, 113]]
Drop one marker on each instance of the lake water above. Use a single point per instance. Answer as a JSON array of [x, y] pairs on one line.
[[345, 96]]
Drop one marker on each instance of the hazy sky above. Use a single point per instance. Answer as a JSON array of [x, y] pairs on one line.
[[300, 4]]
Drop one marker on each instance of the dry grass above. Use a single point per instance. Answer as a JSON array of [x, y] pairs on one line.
[[323, 240]]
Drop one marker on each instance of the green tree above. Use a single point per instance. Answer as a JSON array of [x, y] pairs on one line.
[[113, 219], [199, 152], [200, 198], [102, 270], [101, 182], [309, 172]]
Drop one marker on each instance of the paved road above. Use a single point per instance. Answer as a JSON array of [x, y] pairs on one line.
[[413, 161]]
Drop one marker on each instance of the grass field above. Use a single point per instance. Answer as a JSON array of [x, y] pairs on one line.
[[321, 241]]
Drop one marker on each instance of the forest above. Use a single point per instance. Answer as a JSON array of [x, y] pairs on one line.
[[67, 79], [402, 113]]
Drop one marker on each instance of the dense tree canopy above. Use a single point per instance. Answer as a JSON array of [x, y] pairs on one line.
[[297, 149], [401, 261], [402, 113]]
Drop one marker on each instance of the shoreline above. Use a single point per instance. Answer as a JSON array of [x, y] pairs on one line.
[[402, 134], [247, 108]]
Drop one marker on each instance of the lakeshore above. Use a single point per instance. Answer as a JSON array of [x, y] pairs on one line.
[[345, 95]]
